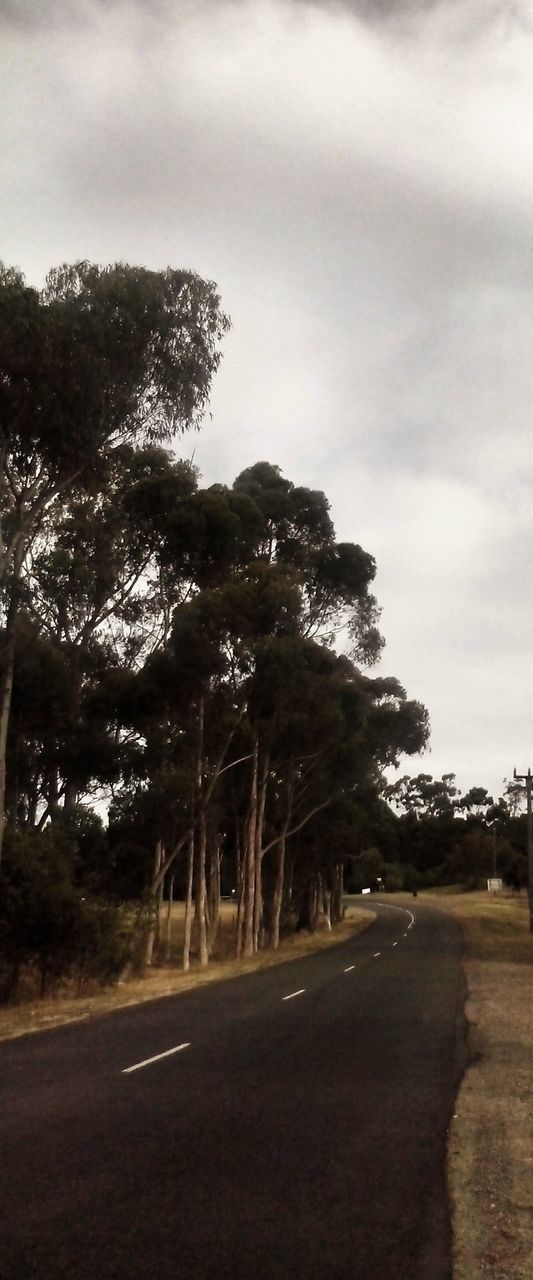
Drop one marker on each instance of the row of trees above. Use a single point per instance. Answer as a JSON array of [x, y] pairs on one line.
[[422, 832], [194, 656]]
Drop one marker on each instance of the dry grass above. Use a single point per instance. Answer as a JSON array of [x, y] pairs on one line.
[[495, 925], [168, 979], [491, 1140]]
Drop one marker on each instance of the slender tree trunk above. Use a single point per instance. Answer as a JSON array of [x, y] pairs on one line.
[[279, 880], [201, 848], [201, 894], [71, 797], [206, 796], [310, 903], [290, 882], [239, 854], [150, 934], [258, 849], [159, 906], [249, 868], [317, 896], [214, 891], [338, 894], [277, 899], [326, 906], [33, 801], [188, 905], [168, 921]]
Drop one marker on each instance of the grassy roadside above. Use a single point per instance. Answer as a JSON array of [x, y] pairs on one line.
[[490, 1154], [495, 926], [169, 979]]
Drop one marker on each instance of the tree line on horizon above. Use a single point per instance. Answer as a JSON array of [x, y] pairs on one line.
[[423, 833], [197, 658]]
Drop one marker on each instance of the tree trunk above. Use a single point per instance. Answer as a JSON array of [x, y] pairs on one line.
[[168, 921], [71, 797], [239, 858], [249, 863], [316, 901], [188, 905], [159, 907], [337, 895], [200, 895], [258, 850], [309, 907], [150, 933], [290, 881], [214, 891], [277, 898]]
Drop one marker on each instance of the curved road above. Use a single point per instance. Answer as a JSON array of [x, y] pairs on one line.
[[297, 1129]]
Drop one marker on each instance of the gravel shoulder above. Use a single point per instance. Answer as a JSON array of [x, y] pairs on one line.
[[491, 1140]]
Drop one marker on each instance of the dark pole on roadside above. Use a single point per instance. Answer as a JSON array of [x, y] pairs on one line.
[[527, 778]]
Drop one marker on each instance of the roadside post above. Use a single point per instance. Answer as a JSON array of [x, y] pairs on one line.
[[527, 778]]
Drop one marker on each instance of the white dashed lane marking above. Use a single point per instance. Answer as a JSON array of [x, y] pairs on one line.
[[147, 1061]]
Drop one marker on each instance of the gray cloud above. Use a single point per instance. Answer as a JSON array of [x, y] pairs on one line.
[[474, 17]]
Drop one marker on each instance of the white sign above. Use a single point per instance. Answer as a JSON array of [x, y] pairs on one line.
[[495, 885], [366, 891]]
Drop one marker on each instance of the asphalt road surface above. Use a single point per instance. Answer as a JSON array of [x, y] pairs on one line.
[[288, 1123]]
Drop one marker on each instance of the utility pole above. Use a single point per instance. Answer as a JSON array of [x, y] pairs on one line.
[[527, 778]]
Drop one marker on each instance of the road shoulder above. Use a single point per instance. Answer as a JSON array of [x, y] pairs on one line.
[[491, 1139], [490, 1150]]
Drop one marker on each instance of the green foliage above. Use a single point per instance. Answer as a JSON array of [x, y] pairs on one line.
[[45, 919], [100, 356], [393, 877]]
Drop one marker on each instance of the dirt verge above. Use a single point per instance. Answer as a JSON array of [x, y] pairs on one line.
[[491, 1140]]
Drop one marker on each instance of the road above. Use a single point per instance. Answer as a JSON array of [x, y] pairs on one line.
[[300, 1132]]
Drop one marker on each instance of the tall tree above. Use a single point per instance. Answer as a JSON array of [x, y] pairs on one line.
[[99, 358]]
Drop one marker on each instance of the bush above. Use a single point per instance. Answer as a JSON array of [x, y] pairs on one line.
[[393, 877], [45, 920]]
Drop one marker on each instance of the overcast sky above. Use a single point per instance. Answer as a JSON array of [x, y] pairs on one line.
[[358, 179]]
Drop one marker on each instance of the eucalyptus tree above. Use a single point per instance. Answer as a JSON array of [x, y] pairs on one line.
[[425, 796], [476, 802], [379, 724], [100, 358], [334, 576]]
